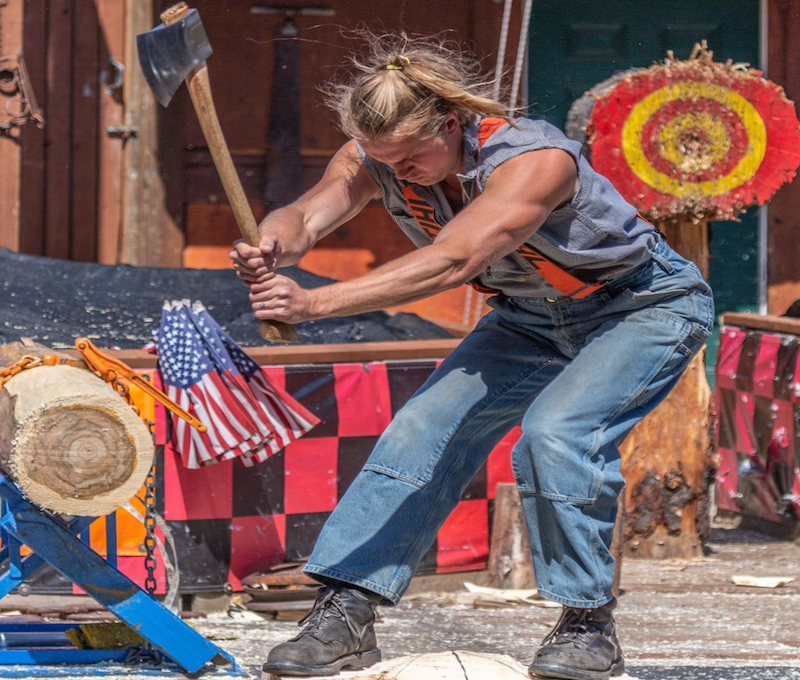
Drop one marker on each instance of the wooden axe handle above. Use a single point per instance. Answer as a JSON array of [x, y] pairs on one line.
[[200, 92]]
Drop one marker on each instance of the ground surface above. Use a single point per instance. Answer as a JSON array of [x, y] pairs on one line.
[[676, 620]]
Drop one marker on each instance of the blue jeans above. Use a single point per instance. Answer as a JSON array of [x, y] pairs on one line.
[[578, 375]]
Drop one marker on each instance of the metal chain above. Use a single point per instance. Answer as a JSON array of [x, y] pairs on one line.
[[18, 366], [149, 511], [150, 522]]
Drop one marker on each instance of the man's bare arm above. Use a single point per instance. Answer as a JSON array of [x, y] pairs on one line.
[[518, 197], [290, 232]]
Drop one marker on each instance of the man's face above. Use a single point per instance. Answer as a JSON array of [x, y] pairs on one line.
[[421, 160]]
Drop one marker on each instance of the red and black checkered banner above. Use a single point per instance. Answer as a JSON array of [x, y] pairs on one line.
[[230, 521], [695, 138], [757, 396]]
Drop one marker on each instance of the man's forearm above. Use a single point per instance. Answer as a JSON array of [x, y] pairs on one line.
[[412, 277]]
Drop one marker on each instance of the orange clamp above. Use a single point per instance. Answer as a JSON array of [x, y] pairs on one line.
[[111, 370]]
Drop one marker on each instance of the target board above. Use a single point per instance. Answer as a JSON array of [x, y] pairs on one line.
[[695, 138]]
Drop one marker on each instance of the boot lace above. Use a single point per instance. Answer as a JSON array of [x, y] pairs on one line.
[[327, 608], [575, 626]]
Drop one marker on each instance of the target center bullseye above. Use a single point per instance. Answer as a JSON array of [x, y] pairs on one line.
[[694, 142]]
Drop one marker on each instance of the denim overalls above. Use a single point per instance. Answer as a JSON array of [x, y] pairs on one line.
[[578, 374]]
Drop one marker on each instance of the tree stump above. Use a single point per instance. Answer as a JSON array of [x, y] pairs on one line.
[[669, 465], [510, 564], [70, 442]]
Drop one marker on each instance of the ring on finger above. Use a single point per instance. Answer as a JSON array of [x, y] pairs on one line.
[[262, 305]]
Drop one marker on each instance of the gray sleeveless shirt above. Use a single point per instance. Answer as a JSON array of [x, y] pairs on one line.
[[595, 236]]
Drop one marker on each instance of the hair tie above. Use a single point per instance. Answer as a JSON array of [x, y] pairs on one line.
[[395, 67]]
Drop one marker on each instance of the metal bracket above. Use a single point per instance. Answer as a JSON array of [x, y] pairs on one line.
[[123, 132], [21, 106], [119, 76]]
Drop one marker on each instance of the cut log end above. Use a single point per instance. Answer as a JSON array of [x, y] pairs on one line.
[[76, 452], [70, 442]]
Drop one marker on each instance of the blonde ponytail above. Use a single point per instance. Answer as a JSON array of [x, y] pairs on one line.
[[406, 85]]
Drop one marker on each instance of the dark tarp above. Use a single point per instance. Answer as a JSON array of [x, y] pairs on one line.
[[55, 301]]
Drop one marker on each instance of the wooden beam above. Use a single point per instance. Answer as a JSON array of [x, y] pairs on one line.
[[34, 152], [111, 17], [85, 132], [147, 239], [768, 322], [11, 18], [58, 133], [402, 350], [783, 276]]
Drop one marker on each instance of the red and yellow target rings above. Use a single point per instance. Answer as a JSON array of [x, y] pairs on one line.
[[700, 99], [695, 138]]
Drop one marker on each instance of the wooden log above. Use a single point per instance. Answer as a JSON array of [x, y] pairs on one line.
[[510, 565], [668, 460], [70, 442], [456, 665], [669, 463]]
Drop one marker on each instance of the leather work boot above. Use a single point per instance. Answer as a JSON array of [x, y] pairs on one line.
[[582, 646], [339, 633]]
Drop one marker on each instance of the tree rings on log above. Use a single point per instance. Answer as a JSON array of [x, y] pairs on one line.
[[458, 665], [70, 442]]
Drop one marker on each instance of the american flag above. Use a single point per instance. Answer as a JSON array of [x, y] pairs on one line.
[[207, 374]]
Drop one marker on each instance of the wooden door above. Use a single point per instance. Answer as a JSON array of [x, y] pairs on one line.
[[69, 62], [85, 185]]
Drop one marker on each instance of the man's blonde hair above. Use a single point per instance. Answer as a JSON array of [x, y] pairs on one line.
[[407, 85]]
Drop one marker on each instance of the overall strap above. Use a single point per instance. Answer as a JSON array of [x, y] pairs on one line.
[[564, 282], [423, 213]]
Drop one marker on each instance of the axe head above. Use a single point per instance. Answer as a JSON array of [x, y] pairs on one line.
[[169, 53]]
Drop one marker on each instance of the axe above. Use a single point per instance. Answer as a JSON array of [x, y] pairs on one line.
[[174, 52]]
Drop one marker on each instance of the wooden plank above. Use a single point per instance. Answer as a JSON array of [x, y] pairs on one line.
[[144, 241], [285, 355], [59, 170], [211, 230], [11, 17], [111, 17], [32, 194], [172, 217], [768, 322], [85, 121], [783, 276]]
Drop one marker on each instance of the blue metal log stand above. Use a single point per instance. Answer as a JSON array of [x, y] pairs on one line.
[[58, 543]]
